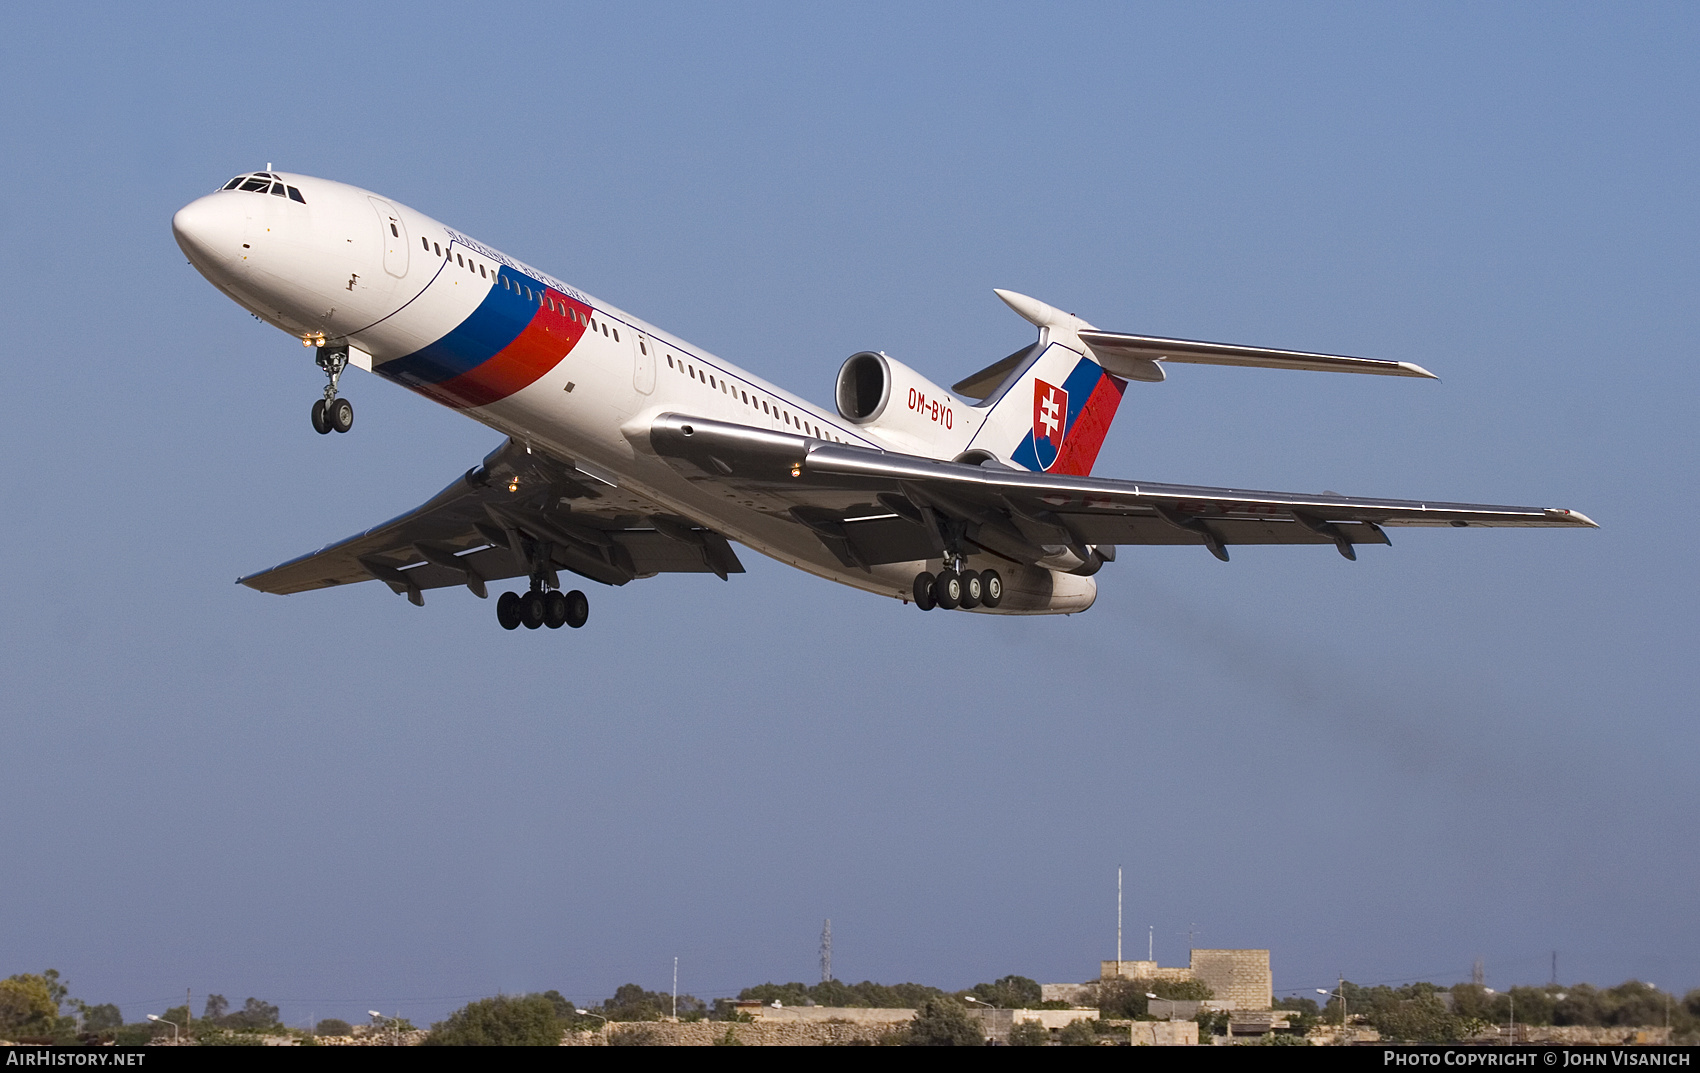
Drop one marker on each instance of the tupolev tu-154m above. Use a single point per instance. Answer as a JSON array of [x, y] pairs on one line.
[[631, 453]]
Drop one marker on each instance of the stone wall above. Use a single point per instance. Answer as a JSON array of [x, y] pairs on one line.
[[712, 1033], [1238, 976], [1164, 1033]]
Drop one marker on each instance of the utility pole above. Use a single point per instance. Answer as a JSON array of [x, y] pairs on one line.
[[1150, 942], [826, 951], [1555, 968], [1342, 1009], [1118, 920], [189, 1011], [675, 990]]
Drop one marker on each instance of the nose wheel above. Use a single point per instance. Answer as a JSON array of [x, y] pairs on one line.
[[332, 413]]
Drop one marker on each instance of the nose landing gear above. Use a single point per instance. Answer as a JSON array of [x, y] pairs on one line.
[[331, 413]]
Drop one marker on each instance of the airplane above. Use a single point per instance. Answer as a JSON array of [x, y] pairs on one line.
[[630, 453]]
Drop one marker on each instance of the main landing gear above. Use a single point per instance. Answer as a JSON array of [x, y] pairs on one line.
[[553, 609], [954, 588], [331, 413]]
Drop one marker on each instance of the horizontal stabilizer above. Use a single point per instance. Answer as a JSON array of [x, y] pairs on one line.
[[1131, 356]]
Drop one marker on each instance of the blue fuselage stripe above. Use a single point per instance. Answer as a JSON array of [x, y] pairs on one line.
[[498, 321]]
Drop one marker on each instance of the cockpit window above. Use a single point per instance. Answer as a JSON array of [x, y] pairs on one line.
[[261, 182]]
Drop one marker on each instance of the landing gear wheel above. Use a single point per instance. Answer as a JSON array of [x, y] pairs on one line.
[[991, 588], [925, 599], [339, 414], [971, 590], [531, 610], [507, 610], [947, 589], [321, 423], [578, 609], [554, 610]]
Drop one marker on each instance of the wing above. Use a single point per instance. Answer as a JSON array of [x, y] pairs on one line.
[[872, 507], [518, 513]]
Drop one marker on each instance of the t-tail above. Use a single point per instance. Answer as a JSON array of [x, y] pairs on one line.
[[1050, 404]]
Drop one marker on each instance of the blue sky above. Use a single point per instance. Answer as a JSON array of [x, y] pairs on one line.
[[1470, 744]]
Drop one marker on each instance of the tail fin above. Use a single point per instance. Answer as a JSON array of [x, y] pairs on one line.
[[1054, 403]]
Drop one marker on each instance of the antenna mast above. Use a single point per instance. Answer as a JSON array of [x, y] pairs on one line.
[[1118, 920]]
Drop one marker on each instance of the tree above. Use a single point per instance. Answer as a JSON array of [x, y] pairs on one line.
[[1304, 1014], [1010, 992], [1079, 1032], [333, 1026], [1126, 998], [941, 1021], [102, 1018], [254, 1016], [838, 993], [632, 1003], [217, 1006], [503, 1021], [1029, 1034], [29, 1005]]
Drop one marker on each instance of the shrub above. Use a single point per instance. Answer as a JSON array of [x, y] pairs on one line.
[[1079, 1032], [944, 1022], [503, 1021], [1029, 1034], [333, 1026]]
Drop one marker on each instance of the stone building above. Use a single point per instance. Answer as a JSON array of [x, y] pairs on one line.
[[1238, 979]]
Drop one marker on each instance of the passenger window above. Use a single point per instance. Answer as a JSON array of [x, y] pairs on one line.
[[394, 232], [669, 361], [616, 335], [425, 242], [764, 406], [641, 347], [481, 270], [439, 249]]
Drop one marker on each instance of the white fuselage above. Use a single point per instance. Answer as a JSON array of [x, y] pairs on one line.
[[332, 262]]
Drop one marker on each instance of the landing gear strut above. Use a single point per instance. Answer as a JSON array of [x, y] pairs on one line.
[[332, 414]]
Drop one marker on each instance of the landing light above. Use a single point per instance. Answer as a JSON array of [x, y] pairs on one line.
[[513, 485]]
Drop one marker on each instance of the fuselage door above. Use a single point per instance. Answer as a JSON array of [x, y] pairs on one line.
[[643, 363], [393, 233]]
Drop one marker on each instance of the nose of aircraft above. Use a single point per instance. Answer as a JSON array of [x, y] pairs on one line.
[[209, 230]]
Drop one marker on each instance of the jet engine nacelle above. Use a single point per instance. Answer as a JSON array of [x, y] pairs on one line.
[[900, 405]]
